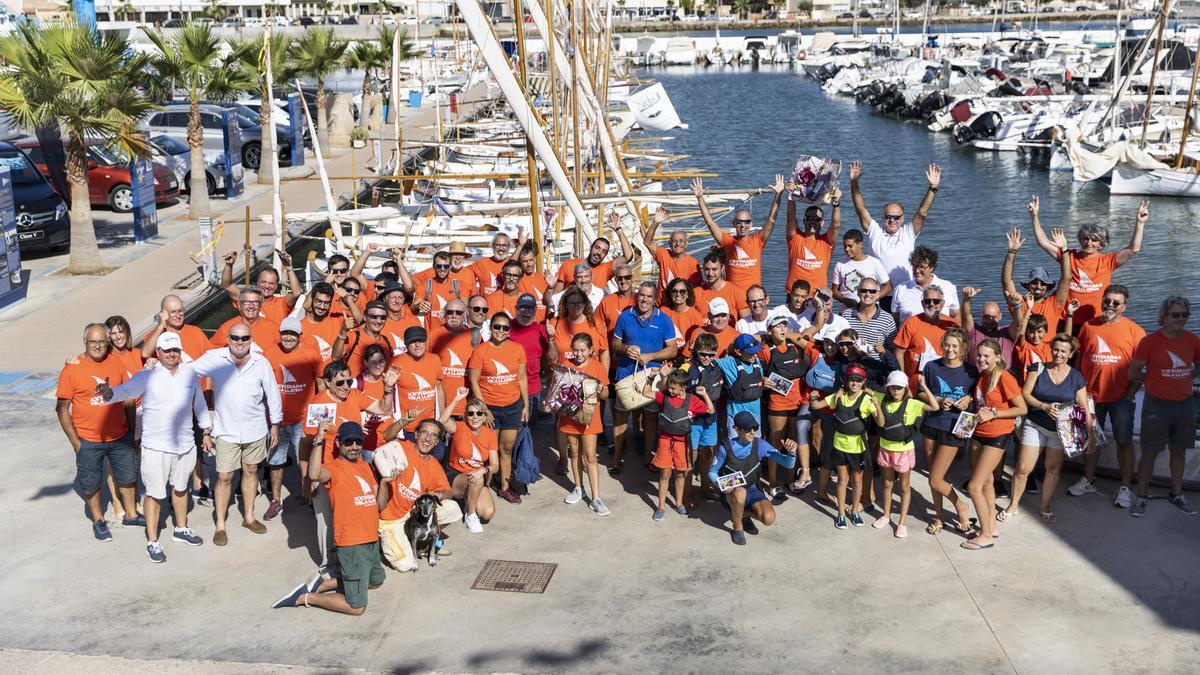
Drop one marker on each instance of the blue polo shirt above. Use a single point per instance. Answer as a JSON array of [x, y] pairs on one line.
[[650, 335]]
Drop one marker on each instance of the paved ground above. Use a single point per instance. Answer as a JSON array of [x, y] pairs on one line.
[[1097, 592]]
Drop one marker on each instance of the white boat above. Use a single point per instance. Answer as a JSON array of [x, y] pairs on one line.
[[1127, 180], [681, 51]]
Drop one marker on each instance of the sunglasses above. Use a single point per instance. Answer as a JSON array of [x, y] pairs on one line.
[[707, 355], [455, 312], [343, 383], [476, 413], [845, 344], [481, 310], [1179, 315], [501, 326], [339, 270], [1111, 303], [239, 338], [813, 219], [442, 267], [867, 290], [626, 277], [894, 217], [678, 291], [742, 221], [931, 302], [352, 290], [354, 442], [510, 275], [377, 317]]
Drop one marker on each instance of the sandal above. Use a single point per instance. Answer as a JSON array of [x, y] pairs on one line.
[[934, 527], [1005, 516], [615, 469], [799, 486], [1049, 518], [972, 546]]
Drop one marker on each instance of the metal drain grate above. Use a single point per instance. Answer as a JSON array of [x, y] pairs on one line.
[[514, 577]]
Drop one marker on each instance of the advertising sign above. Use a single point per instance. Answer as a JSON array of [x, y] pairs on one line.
[[12, 289], [296, 119], [145, 212], [233, 154]]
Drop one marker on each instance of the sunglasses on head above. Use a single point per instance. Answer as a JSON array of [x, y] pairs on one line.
[[742, 221], [239, 338]]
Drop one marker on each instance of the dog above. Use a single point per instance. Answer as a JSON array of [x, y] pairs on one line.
[[422, 529]]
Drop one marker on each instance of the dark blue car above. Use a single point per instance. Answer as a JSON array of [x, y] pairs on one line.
[[42, 219]]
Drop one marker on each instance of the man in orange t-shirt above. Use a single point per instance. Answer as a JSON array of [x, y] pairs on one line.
[[453, 344], [434, 287], [419, 389], [97, 430], [601, 271], [673, 261], [919, 340], [423, 475], [809, 251], [297, 367], [351, 345], [263, 331], [712, 274], [743, 250], [1106, 347], [718, 324], [533, 282], [614, 303], [274, 307], [487, 270], [400, 317], [321, 323]]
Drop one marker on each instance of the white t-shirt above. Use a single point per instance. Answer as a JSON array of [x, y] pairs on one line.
[[750, 326], [906, 298], [848, 273], [893, 250], [802, 320]]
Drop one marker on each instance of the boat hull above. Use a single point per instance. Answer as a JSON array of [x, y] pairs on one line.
[[1158, 182]]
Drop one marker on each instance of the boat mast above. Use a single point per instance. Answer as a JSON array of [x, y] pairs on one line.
[[1166, 9], [535, 215], [1187, 112], [1116, 67]]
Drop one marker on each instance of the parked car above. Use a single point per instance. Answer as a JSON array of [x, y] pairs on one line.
[[305, 21], [178, 158], [846, 15], [172, 121], [233, 22], [173, 23], [108, 177], [42, 218], [347, 21]]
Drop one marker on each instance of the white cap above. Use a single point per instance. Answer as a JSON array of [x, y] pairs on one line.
[[168, 340], [897, 378], [717, 306], [291, 325]]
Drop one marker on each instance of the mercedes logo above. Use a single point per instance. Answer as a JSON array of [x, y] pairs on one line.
[[24, 219]]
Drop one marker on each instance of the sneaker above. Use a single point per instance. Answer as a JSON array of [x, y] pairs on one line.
[[1082, 487], [739, 537], [471, 520], [599, 507], [274, 509], [100, 531], [291, 598], [1123, 498], [856, 519], [575, 496], [659, 515], [1138, 509], [749, 526], [840, 522], [682, 510], [154, 551], [186, 536], [1182, 504], [314, 583], [137, 521], [509, 496]]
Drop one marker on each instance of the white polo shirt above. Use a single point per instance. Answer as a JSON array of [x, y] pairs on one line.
[[893, 250], [169, 400], [906, 298]]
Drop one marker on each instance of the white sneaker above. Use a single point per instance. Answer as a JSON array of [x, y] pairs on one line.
[[575, 495], [472, 522], [599, 507], [1082, 487], [1124, 498]]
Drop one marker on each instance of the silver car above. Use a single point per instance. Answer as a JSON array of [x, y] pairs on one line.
[[172, 120], [178, 158]]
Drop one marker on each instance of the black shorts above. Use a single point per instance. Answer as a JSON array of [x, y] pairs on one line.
[[451, 474], [855, 461], [1004, 442], [942, 438]]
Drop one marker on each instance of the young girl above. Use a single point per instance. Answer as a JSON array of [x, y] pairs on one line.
[[851, 408], [953, 379], [897, 452], [703, 372], [789, 361], [677, 408], [474, 456], [581, 438], [999, 400], [823, 377]]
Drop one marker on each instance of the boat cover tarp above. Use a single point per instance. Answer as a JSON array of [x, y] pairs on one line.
[[1092, 165]]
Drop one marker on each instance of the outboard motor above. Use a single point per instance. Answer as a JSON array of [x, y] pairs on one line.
[[1010, 87], [827, 71], [984, 126]]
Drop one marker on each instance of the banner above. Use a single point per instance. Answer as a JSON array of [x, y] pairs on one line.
[[296, 120], [12, 288], [653, 110], [145, 211], [233, 154]]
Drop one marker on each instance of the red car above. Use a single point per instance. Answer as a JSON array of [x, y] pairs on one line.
[[108, 177]]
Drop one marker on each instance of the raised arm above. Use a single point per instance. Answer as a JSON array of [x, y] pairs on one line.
[[295, 290], [713, 229], [629, 254], [660, 217], [1015, 242], [1135, 242], [317, 472], [860, 205], [792, 225], [1040, 234], [1059, 239], [934, 176], [361, 263], [835, 218], [151, 338], [968, 320], [227, 276], [769, 226]]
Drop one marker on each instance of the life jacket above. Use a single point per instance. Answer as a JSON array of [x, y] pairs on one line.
[[674, 419], [894, 428], [821, 376], [846, 418], [708, 377], [748, 465], [790, 363], [748, 386]]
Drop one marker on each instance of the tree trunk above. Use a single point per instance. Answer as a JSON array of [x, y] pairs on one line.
[[85, 252], [322, 118], [266, 167], [198, 202]]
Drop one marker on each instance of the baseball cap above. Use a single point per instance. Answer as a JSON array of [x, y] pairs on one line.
[[856, 370], [776, 320], [897, 378], [747, 344], [745, 420], [526, 300], [717, 306], [375, 304], [415, 334], [291, 325], [168, 340], [1038, 274], [350, 431]]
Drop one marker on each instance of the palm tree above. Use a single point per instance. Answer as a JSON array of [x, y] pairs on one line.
[[369, 57], [193, 59], [326, 6], [688, 6], [317, 55], [124, 9], [282, 71], [213, 10], [84, 83], [741, 7]]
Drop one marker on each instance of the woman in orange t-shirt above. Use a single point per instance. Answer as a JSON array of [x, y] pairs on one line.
[[580, 439], [120, 340], [575, 316], [371, 385], [474, 455], [999, 400], [679, 303], [496, 375]]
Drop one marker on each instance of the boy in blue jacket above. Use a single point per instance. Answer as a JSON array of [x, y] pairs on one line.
[[743, 455]]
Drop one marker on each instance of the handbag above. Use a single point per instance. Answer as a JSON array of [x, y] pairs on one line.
[[629, 388]]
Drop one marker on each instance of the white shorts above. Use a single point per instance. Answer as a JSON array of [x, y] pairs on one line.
[[1036, 436], [162, 468]]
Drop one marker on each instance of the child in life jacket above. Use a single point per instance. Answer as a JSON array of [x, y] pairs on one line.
[[677, 408], [852, 407], [702, 371], [902, 415]]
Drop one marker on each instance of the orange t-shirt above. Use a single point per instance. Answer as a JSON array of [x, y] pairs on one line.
[[724, 339], [427, 287], [195, 342], [1049, 308], [1105, 350], [1026, 354], [453, 350], [998, 399], [1169, 364], [487, 274], [1089, 277], [357, 342], [394, 329], [502, 302], [349, 410], [263, 332], [535, 285], [131, 360], [499, 366], [296, 373], [95, 420], [808, 259], [417, 386], [735, 297], [469, 450], [600, 273], [422, 476], [670, 268], [921, 338], [684, 322], [743, 259], [373, 425], [594, 369], [565, 332], [351, 489], [322, 334], [611, 307]]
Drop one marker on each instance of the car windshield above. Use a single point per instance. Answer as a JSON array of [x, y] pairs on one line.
[[171, 146], [107, 156], [19, 167]]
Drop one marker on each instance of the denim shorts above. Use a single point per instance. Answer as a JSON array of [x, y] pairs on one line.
[[288, 450], [89, 463], [1120, 416], [704, 434], [508, 416], [1168, 423]]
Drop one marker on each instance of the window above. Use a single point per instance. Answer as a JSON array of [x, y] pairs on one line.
[[210, 121]]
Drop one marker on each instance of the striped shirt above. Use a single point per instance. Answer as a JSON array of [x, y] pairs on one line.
[[880, 328]]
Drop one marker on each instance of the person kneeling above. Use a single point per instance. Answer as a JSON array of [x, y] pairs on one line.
[[736, 470], [423, 475]]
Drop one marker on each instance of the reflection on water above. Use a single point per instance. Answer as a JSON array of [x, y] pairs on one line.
[[749, 124]]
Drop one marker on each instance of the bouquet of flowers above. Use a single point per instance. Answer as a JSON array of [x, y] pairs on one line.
[[572, 394], [1073, 430], [815, 178]]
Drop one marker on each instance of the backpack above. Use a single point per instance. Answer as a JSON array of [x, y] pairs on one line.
[[526, 466]]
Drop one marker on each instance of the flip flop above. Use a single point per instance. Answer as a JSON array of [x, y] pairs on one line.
[[934, 527], [972, 546], [1005, 516], [1049, 518]]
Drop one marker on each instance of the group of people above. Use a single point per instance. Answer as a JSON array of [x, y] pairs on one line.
[[385, 390]]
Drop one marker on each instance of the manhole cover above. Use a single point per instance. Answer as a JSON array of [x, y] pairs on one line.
[[514, 577]]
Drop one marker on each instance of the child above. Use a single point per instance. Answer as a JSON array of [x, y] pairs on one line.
[[897, 453], [787, 359], [850, 411], [703, 372], [676, 408], [581, 438], [1030, 346]]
